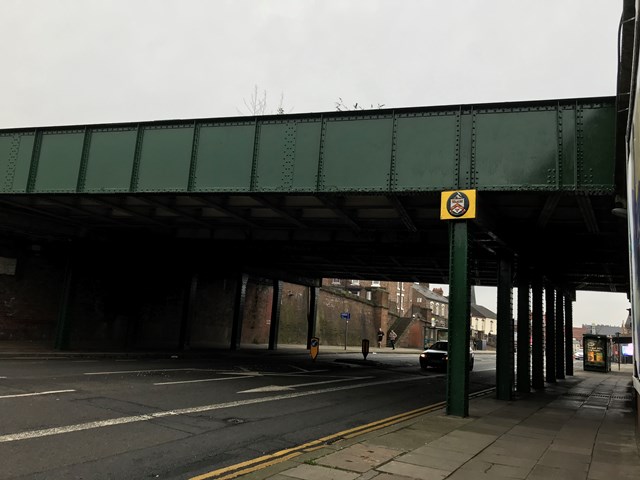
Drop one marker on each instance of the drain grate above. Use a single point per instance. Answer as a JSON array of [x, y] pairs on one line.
[[626, 398], [623, 397]]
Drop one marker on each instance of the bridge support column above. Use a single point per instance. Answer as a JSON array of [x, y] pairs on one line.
[[459, 320], [275, 315], [188, 311], [63, 328], [550, 334], [524, 332], [238, 310], [504, 346], [568, 332], [312, 314], [559, 334], [537, 335]]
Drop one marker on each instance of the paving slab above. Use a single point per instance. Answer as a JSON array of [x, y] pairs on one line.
[[466, 442], [413, 471], [359, 457], [432, 450], [509, 460], [545, 472], [407, 439], [384, 476], [567, 446], [519, 446], [317, 472], [533, 432], [571, 461], [497, 469], [438, 459], [608, 471]]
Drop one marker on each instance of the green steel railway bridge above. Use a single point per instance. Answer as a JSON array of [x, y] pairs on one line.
[[341, 195]]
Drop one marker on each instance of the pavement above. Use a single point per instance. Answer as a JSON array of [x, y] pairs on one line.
[[581, 427]]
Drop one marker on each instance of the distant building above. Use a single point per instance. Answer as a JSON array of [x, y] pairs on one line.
[[399, 292], [419, 303], [484, 322]]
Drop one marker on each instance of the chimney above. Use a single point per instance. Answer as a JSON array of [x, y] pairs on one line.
[[439, 291]]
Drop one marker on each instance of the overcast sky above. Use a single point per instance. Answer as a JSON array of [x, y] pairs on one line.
[[100, 61]]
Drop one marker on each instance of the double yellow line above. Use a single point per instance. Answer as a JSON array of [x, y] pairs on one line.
[[265, 461]]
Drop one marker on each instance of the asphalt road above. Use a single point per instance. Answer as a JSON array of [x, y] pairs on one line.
[[176, 418]]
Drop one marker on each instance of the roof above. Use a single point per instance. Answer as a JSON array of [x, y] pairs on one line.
[[430, 294], [601, 329], [482, 311]]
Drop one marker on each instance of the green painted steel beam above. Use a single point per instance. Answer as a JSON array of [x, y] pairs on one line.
[[459, 320], [505, 330], [563, 145], [537, 333]]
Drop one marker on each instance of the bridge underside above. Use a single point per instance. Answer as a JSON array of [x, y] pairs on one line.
[[571, 237]]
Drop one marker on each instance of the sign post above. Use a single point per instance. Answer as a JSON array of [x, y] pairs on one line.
[[365, 348], [314, 347], [345, 316]]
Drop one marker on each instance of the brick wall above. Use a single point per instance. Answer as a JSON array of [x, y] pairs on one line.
[[29, 300]]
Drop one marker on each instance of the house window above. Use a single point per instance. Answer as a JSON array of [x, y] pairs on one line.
[[419, 300], [437, 309], [375, 283], [444, 310], [431, 306], [368, 294], [355, 282], [335, 281]]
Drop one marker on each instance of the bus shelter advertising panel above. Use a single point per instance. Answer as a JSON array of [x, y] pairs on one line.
[[597, 353]]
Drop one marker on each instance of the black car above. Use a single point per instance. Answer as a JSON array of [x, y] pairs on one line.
[[437, 356]]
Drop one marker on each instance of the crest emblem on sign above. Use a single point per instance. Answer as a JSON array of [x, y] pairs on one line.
[[457, 204]]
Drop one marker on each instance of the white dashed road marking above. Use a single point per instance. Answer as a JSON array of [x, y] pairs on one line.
[[37, 393]]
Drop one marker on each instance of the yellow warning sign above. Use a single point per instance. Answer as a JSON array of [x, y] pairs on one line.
[[458, 205]]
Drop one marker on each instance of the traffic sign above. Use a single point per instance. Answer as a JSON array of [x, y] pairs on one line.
[[315, 346], [345, 315]]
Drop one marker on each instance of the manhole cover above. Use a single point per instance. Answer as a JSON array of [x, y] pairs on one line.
[[234, 421]]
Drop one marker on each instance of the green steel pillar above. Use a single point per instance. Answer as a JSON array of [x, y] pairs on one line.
[[559, 335], [312, 314], [63, 328], [524, 333], [238, 311], [504, 346], [188, 311], [550, 335], [568, 332], [275, 315], [459, 320], [537, 335]]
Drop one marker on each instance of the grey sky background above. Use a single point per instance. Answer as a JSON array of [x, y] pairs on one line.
[[94, 61]]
